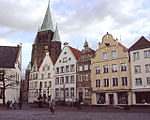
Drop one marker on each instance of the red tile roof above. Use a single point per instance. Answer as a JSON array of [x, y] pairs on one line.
[[76, 52], [53, 60], [142, 43], [124, 48]]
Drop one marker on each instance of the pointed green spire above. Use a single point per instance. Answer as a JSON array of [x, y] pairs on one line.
[[29, 66], [47, 22], [56, 35]]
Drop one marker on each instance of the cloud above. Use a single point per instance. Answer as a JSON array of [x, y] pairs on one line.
[[76, 20]]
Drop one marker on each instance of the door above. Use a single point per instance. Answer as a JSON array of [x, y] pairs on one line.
[[111, 99]]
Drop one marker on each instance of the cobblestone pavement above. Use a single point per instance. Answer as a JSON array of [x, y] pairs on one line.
[[72, 113]]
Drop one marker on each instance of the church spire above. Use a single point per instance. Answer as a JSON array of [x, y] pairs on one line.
[[56, 35], [47, 22]]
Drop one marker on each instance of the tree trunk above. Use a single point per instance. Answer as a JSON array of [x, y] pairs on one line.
[[4, 88]]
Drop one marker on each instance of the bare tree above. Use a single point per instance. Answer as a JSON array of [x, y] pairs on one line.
[[8, 79]]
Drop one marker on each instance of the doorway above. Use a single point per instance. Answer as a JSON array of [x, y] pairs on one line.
[[111, 99]]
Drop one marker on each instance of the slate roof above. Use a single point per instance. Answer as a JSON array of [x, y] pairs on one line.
[[76, 52], [142, 43], [8, 56]]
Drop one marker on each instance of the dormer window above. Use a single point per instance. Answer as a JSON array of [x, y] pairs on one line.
[[64, 59], [107, 44]]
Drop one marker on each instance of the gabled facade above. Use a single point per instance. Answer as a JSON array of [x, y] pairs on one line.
[[84, 91], [140, 71], [111, 83], [10, 67], [41, 80], [65, 74]]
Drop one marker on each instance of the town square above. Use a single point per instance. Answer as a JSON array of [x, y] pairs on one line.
[[67, 60]]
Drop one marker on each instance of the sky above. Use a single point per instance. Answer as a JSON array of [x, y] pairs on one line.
[[77, 20]]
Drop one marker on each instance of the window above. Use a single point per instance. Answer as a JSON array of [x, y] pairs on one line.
[[36, 75], [80, 78], [48, 67], [67, 92], [56, 80], [45, 84], [1, 93], [64, 59], [114, 67], [62, 69], [113, 54], [67, 79], [124, 81], [115, 81], [147, 68], [148, 80], [35, 84], [80, 68], [62, 80], [72, 92], [106, 82], [85, 58], [97, 70], [138, 81], [105, 69], [105, 56], [40, 85], [86, 92], [123, 67], [67, 68], [136, 56], [49, 75], [97, 83], [50, 84], [72, 79], [42, 76], [85, 67], [147, 54], [137, 69], [72, 69], [86, 77], [56, 92], [57, 70]]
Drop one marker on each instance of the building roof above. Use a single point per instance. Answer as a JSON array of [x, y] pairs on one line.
[[142, 43], [47, 22], [56, 35], [124, 48], [76, 52], [53, 60], [8, 56]]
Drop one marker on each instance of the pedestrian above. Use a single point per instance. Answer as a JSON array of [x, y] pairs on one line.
[[52, 106], [20, 104], [8, 104], [15, 105]]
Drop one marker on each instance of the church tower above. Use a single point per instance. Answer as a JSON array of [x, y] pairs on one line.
[[47, 40]]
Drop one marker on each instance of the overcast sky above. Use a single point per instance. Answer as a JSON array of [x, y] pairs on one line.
[[126, 20]]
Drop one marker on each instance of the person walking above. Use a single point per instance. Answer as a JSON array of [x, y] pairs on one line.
[[15, 105], [52, 106], [8, 104]]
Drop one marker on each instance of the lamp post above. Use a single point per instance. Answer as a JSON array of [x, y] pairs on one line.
[[48, 94]]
